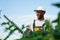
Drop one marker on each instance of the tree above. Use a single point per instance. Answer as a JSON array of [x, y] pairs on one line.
[[57, 27]]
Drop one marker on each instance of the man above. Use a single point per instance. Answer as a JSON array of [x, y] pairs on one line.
[[39, 23]]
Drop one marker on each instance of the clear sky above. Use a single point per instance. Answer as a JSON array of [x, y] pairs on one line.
[[19, 10], [24, 7]]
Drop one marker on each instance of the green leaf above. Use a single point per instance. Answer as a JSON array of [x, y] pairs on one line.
[[57, 5], [23, 26], [5, 23]]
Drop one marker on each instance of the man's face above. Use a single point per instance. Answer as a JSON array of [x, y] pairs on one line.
[[40, 14]]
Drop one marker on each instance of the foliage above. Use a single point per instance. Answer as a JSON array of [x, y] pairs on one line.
[[57, 5], [10, 25], [40, 35]]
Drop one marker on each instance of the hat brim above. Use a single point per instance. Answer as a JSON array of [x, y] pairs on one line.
[[39, 10]]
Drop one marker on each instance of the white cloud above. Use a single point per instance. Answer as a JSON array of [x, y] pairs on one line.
[[26, 19]]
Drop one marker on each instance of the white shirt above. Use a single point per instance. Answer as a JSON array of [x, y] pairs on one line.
[[37, 23]]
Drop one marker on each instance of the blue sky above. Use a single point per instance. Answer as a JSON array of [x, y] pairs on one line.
[[24, 7], [22, 10]]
